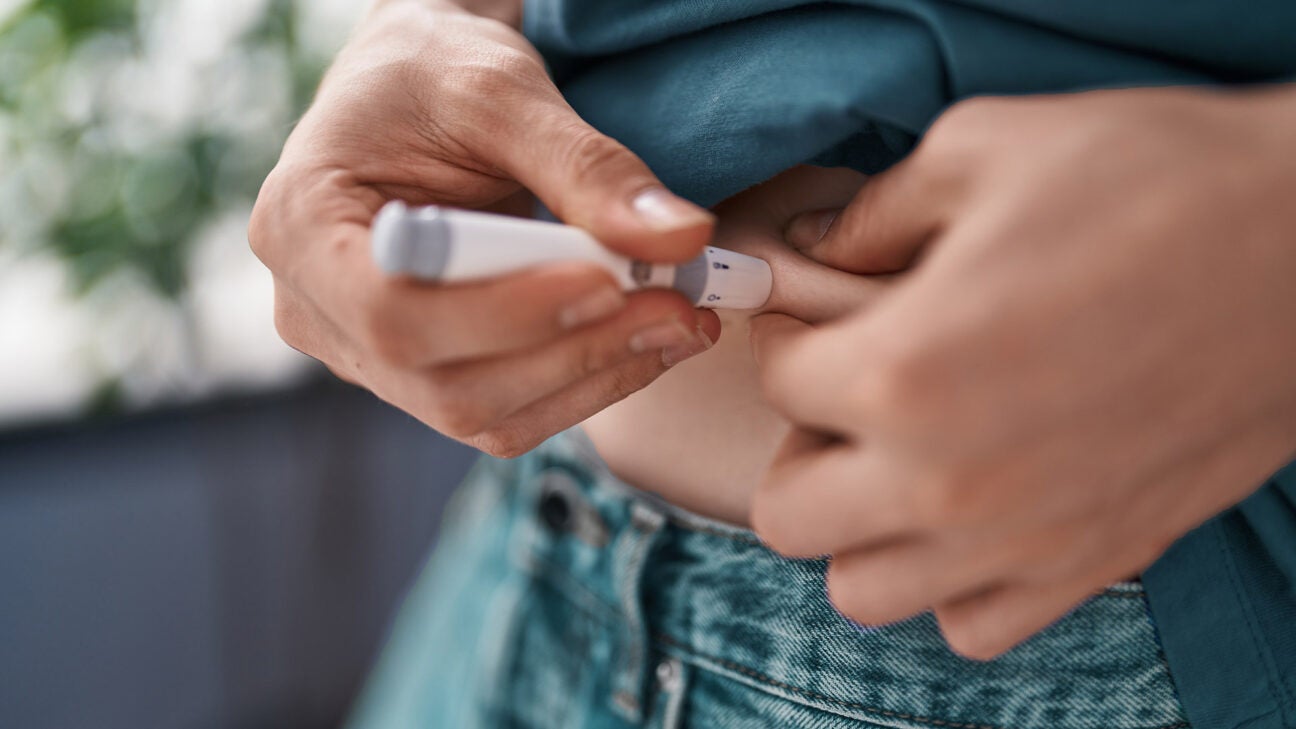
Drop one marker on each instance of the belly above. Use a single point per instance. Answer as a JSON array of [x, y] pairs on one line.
[[701, 436]]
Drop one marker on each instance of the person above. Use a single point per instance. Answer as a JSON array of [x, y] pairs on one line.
[[998, 377]]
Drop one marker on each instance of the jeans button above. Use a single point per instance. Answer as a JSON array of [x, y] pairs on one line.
[[562, 508], [555, 510], [668, 674]]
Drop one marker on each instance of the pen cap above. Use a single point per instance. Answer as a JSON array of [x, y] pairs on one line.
[[721, 279], [411, 242]]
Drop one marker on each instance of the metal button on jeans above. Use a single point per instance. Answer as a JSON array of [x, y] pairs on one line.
[[555, 510], [563, 508], [668, 674]]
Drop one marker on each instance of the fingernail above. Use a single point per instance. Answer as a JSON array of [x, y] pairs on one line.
[[598, 305], [808, 229], [663, 212], [696, 345], [660, 336]]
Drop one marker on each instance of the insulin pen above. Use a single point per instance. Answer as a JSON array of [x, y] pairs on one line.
[[446, 245]]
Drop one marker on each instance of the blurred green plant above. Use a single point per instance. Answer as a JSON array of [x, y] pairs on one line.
[[124, 128]]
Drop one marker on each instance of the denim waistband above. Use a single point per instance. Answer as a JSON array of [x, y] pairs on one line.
[[711, 595]]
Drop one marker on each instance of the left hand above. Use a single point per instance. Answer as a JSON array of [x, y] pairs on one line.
[[1095, 353]]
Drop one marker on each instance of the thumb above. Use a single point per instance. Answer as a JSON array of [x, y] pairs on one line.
[[592, 181], [882, 230]]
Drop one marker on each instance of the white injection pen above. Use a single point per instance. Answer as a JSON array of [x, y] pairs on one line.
[[445, 245]]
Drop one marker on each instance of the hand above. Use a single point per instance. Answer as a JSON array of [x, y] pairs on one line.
[[431, 104], [1093, 354]]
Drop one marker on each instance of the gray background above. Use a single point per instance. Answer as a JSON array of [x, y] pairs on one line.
[[233, 565]]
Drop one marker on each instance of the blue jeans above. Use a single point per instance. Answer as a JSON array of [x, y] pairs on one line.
[[561, 598]]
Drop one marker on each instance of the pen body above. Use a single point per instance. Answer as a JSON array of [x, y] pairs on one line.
[[480, 244], [444, 245]]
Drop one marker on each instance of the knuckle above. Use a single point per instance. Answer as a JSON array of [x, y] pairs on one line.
[[505, 441], [402, 69], [592, 358], [262, 228], [515, 67], [590, 154], [496, 76], [628, 381], [852, 245]]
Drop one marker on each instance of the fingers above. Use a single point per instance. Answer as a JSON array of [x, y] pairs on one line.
[[822, 496], [989, 624], [592, 181], [487, 391], [815, 293], [575, 403], [922, 571], [413, 324], [882, 230], [805, 372], [464, 358], [570, 406], [502, 406]]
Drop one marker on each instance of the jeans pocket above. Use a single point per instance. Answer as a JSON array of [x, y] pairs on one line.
[[718, 700]]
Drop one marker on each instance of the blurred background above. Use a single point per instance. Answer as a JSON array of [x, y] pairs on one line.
[[198, 527]]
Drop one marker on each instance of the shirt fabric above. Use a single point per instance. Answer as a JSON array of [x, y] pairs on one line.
[[719, 96]]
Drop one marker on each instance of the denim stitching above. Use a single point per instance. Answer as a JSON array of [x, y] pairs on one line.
[[631, 552], [750, 673]]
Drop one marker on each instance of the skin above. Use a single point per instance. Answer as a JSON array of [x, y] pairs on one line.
[[1090, 353], [701, 436], [469, 118]]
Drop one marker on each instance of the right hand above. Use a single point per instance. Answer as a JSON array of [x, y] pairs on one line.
[[431, 104]]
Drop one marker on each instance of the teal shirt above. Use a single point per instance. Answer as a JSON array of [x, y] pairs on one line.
[[718, 96]]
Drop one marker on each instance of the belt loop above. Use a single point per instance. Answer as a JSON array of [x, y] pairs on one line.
[[630, 552], [672, 680]]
